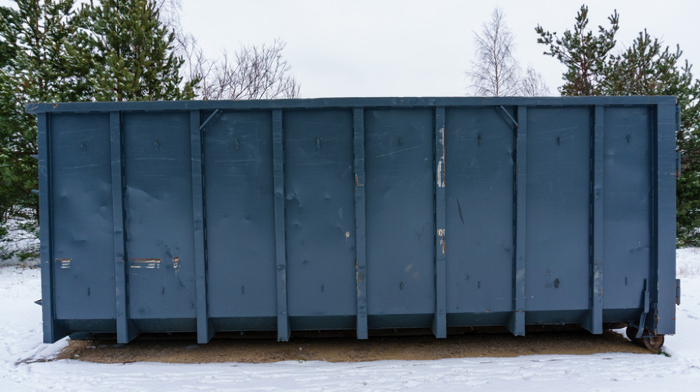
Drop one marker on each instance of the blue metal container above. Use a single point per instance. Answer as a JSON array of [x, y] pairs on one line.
[[357, 213]]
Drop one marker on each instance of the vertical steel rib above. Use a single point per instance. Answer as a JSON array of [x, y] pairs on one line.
[[360, 228], [440, 320], [594, 321], [283, 330], [125, 330], [517, 323], [205, 331]]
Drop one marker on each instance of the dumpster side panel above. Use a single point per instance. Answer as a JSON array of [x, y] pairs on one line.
[[558, 169], [320, 219], [479, 186], [82, 214], [358, 213], [400, 216], [240, 219], [627, 208], [159, 228]]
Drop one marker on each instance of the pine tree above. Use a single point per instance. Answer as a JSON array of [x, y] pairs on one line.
[[583, 53], [32, 48], [133, 53]]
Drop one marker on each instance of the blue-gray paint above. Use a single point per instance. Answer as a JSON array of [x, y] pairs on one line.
[[240, 216], [665, 212], [205, 330], [158, 226], [479, 242], [440, 321], [360, 228], [519, 274], [125, 329], [594, 320], [400, 225], [283, 330], [356, 213], [52, 331]]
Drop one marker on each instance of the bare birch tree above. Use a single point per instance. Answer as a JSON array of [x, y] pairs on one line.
[[253, 72], [533, 84], [169, 13], [494, 72]]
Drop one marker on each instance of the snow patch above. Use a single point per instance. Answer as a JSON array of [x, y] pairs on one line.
[[688, 262]]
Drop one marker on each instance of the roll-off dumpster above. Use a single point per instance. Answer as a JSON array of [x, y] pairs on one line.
[[357, 213]]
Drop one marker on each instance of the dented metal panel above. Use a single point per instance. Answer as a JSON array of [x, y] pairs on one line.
[[360, 213], [240, 211], [479, 247], [82, 220]]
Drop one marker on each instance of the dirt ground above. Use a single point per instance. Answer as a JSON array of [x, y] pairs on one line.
[[261, 348]]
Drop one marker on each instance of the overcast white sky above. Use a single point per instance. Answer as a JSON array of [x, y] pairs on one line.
[[412, 47], [416, 48]]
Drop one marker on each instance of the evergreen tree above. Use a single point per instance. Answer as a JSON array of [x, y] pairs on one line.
[[583, 53], [32, 69], [645, 68], [133, 52]]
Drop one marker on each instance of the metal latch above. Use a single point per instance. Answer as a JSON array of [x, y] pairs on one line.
[[678, 291]]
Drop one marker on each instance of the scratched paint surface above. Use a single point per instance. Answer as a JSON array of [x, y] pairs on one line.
[[158, 222], [479, 244], [558, 169], [400, 226], [82, 211], [240, 216], [319, 208], [627, 204], [404, 170]]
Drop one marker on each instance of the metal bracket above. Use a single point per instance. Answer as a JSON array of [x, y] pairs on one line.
[[678, 291], [643, 316], [204, 124], [515, 123]]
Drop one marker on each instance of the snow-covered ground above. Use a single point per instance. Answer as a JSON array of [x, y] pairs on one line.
[[21, 347]]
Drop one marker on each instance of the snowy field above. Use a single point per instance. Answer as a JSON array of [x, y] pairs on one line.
[[23, 365]]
